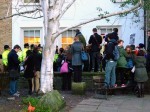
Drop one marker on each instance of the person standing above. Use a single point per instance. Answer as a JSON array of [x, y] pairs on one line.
[[37, 68], [76, 49], [81, 37], [29, 69], [95, 41], [140, 72], [148, 53], [5, 57], [22, 57], [13, 65], [110, 69]]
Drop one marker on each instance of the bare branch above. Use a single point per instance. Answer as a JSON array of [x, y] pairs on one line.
[[66, 8], [98, 18], [20, 13], [9, 6]]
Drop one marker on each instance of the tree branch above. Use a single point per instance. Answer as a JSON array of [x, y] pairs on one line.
[[98, 18], [66, 8], [20, 13]]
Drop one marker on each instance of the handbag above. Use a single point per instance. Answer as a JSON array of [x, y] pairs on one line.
[[64, 68], [84, 56], [14, 74]]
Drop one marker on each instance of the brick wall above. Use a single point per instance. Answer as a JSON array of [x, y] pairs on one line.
[[5, 28], [5, 25]]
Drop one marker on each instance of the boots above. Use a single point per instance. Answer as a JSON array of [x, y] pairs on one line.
[[140, 89]]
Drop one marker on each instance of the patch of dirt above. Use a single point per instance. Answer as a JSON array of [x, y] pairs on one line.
[[17, 105]]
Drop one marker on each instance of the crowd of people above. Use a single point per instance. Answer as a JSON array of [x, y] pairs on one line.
[[104, 54], [123, 66], [27, 60]]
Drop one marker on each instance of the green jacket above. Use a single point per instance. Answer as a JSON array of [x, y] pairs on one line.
[[82, 39], [5, 57], [140, 70], [122, 62]]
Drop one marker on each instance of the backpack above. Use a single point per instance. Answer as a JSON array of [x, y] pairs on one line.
[[116, 53]]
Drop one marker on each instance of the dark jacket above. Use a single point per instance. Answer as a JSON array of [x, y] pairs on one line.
[[13, 62], [109, 50], [76, 49], [95, 44], [33, 63], [140, 70], [37, 61], [29, 67], [112, 35], [148, 45]]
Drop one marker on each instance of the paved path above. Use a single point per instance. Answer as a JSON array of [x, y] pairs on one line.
[[127, 103]]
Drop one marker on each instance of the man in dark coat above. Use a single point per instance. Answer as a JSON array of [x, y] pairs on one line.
[[148, 52], [95, 41], [113, 35], [13, 65]]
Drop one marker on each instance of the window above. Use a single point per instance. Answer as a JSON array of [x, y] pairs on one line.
[[102, 30], [31, 1], [118, 1], [67, 38], [32, 36]]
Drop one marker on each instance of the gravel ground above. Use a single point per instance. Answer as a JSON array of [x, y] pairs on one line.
[[16, 105]]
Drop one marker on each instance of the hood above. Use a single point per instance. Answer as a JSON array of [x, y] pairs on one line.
[[113, 41]]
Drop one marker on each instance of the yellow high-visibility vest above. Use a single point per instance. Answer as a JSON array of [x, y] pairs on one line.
[[5, 57]]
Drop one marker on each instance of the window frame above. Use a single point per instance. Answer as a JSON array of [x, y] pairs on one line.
[[118, 1], [108, 27], [31, 28]]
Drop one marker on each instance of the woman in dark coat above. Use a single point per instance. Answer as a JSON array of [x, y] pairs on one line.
[[140, 72], [29, 69], [76, 49], [66, 77]]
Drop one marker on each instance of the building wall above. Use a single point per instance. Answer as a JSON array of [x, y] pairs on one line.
[[80, 11], [5, 26]]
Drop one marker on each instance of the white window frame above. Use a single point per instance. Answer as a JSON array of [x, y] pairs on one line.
[[32, 28], [73, 29], [109, 27], [30, 3], [118, 1]]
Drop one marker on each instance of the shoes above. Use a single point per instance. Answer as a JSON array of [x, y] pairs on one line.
[[123, 85], [11, 98], [115, 85], [16, 94]]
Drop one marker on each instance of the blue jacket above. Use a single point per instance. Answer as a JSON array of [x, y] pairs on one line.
[[76, 49]]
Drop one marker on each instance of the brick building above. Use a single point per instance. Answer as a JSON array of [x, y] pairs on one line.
[[5, 25]]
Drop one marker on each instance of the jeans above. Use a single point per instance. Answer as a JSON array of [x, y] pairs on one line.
[[13, 87], [110, 73], [95, 57]]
